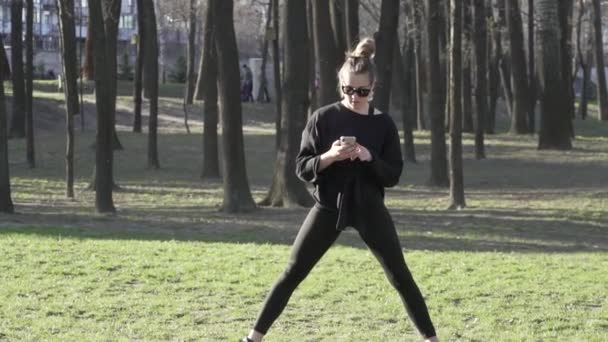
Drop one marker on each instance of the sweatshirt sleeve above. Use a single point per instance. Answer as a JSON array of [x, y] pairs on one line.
[[386, 167], [307, 161]]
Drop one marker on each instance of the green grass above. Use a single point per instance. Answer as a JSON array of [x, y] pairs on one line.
[[525, 261]]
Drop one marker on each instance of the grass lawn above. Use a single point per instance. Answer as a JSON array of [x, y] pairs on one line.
[[525, 261]]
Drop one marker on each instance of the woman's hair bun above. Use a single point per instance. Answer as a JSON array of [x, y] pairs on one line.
[[365, 48]]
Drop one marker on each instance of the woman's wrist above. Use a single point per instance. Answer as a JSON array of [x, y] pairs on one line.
[[325, 160]]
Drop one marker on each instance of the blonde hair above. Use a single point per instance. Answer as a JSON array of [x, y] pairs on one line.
[[360, 60]]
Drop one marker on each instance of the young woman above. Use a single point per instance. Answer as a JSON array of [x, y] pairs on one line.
[[350, 152]]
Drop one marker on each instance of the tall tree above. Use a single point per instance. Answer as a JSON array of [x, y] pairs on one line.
[[385, 40], [17, 129], [29, 83], [481, 104], [101, 15], [439, 168], [531, 70], [555, 122], [262, 94], [237, 196], [585, 57], [404, 71], [336, 10], [494, 57], [566, 12], [151, 80], [70, 72], [190, 78], [602, 91], [418, 9], [456, 175], [467, 57], [519, 79], [6, 202], [504, 65], [286, 189], [139, 68], [206, 90], [276, 65], [325, 52], [351, 21]]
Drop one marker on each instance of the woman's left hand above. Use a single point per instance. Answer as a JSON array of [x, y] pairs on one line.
[[361, 153]]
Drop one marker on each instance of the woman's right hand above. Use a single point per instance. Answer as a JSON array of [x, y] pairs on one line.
[[339, 152]]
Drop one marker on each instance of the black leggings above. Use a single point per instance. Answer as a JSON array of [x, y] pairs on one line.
[[316, 235]]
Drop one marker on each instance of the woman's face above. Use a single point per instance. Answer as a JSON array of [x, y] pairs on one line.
[[356, 89]]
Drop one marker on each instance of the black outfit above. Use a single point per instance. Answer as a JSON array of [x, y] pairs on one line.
[[348, 193]]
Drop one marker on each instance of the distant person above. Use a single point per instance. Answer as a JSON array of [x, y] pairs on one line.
[[351, 152], [247, 86]]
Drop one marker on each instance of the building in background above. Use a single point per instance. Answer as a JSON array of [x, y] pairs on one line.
[[47, 36]]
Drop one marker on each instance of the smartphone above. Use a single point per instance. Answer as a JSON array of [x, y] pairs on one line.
[[348, 140]]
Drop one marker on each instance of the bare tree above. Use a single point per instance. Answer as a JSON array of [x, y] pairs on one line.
[[555, 121], [70, 72], [481, 104], [103, 16], [385, 40], [29, 83], [6, 202], [151, 80], [207, 90], [237, 196], [602, 92], [139, 68], [456, 175], [531, 70], [467, 57], [418, 9], [439, 168], [351, 22], [190, 78], [325, 53], [17, 129], [286, 189], [519, 79]]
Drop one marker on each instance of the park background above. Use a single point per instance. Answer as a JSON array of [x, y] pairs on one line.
[[178, 256]]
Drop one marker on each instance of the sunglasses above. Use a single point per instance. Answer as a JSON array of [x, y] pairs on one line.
[[362, 92]]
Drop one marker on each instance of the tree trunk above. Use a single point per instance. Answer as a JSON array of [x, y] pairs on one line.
[[88, 69], [531, 70], [6, 203], [237, 196], [504, 63], [602, 92], [351, 16], [151, 80], [554, 130], [439, 168], [585, 58], [29, 83], [519, 79], [385, 40], [467, 44], [566, 11], [6, 72], [481, 104], [336, 8], [493, 57], [139, 67], [456, 175], [105, 92], [70, 70], [276, 61], [190, 79], [325, 53], [262, 95], [287, 190], [207, 88], [17, 129], [418, 9], [404, 70]]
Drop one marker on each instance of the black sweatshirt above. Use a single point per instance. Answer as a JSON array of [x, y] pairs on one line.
[[350, 187]]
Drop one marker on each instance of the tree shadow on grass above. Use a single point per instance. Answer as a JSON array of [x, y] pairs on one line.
[[467, 231]]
